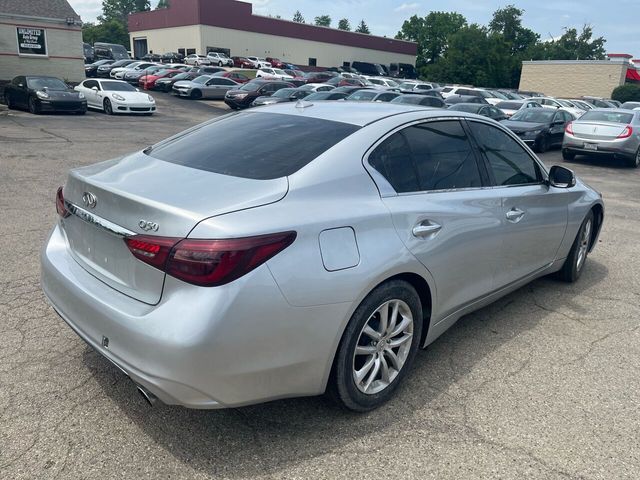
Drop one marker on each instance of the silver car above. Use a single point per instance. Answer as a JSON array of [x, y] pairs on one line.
[[205, 86], [302, 248], [612, 132]]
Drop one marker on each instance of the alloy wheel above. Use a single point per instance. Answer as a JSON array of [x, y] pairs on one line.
[[383, 347], [584, 245]]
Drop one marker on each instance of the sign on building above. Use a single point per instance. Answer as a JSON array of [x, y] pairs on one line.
[[31, 41]]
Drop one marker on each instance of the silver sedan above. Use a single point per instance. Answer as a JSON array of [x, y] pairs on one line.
[[205, 86], [298, 249], [605, 132]]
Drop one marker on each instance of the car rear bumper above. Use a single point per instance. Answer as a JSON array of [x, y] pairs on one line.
[[199, 347], [623, 148]]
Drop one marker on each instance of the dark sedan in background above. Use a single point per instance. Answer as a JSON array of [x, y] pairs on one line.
[[91, 69], [166, 84], [281, 96], [454, 99], [245, 95], [105, 69], [422, 100], [485, 110], [540, 128], [44, 94]]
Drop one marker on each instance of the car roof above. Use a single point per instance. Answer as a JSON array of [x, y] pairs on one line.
[[358, 113]]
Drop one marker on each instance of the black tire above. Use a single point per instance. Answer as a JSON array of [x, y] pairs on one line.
[[568, 155], [342, 386], [33, 106], [542, 145], [108, 108], [219, 64], [572, 268], [82, 112], [634, 162], [196, 95], [9, 101]]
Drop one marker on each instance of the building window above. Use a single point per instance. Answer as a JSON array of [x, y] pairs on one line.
[[313, 62], [191, 51], [346, 64], [181, 51], [32, 41]]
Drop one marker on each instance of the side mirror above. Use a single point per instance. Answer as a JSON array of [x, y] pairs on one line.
[[561, 177], [95, 89], [21, 85]]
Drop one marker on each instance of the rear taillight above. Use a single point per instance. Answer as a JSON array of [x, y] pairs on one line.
[[627, 132], [208, 263], [60, 206], [569, 128]]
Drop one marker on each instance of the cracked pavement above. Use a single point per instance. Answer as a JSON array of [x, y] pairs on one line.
[[542, 384]]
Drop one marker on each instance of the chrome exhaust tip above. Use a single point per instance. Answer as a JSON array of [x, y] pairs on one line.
[[149, 397]]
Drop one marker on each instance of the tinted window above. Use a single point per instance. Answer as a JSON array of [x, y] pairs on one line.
[[533, 115], [510, 163], [430, 156], [117, 87], [39, 83], [509, 105], [466, 107], [280, 144], [90, 84]]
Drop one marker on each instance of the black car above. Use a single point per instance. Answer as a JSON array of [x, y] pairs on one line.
[[166, 84], [152, 57], [40, 94], [105, 69], [87, 50], [91, 69], [418, 99], [172, 57], [245, 95], [281, 96], [453, 99], [485, 110], [541, 128], [332, 95]]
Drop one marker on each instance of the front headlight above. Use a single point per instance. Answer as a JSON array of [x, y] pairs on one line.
[[151, 99], [534, 133], [81, 95], [241, 95], [42, 94], [118, 97]]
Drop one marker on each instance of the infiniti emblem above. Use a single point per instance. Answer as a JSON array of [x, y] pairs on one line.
[[89, 200]]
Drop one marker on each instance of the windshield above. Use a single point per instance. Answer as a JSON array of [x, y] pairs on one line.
[[614, 117], [182, 76], [407, 86], [117, 87], [251, 86], [362, 95], [46, 82], [279, 72], [499, 95], [283, 92], [318, 96], [213, 146], [465, 107], [201, 79], [565, 103], [408, 99], [509, 105], [534, 115]]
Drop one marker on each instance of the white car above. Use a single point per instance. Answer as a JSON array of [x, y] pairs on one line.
[[118, 73], [471, 91], [548, 102], [273, 74], [115, 96], [219, 59], [259, 62], [197, 60], [510, 107], [316, 87], [382, 82]]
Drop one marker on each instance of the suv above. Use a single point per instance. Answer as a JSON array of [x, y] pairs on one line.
[[366, 68], [245, 95], [197, 60], [275, 62], [219, 59], [259, 62]]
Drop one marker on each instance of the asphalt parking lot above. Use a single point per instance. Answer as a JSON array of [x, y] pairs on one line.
[[542, 384]]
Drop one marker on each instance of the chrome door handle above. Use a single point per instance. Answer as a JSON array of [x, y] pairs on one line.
[[515, 215], [426, 228]]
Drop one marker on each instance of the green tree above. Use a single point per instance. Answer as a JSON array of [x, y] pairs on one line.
[[507, 22], [323, 21], [120, 9], [362, 28], [431, 33], [111, 31], [573, 46], [626, 93], [344, 24], [162, 4], [297, 17]]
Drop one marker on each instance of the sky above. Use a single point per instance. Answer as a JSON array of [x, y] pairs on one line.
[[384, 17]]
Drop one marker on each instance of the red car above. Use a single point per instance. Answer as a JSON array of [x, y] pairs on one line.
[[148, 82], [242, 62], [318, 77], [275, 62], [235, 76]]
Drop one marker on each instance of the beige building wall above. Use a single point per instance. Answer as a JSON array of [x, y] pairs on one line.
[[573, 78], [243, 43], [64, 49]]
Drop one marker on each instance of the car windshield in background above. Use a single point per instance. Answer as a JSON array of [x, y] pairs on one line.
[[201, 79], [46, 82], [613, 117], [251, 86], [117, 87], [499, 95], [466, 107], [182, 76], [284, 92], [565, 103], [509, 105], [280, 144], [534, 115]]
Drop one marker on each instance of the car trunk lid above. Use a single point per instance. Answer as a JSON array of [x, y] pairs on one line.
[[139, 194], [598, 130]]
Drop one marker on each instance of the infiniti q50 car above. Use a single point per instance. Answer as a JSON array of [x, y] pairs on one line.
[[217, 277]]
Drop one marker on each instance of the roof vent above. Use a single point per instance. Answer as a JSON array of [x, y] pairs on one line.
[[302, 104]]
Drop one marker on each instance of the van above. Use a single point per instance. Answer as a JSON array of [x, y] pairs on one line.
[[109, 51], [402, 70], [366, 68]]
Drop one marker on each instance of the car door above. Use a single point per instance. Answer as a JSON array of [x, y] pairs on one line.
[[20, 95], [556, 129], [440, 209], [534, 214], [92, 95]]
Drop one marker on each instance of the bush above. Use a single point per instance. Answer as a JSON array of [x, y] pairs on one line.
[[626, 93]]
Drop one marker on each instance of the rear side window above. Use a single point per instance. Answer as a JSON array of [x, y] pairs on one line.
[[510, 163], [429, 156], [260, 146]]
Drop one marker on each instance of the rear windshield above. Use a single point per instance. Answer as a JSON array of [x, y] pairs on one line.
[[260, 146], [467, 107], [615, 117], [510, 105]]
